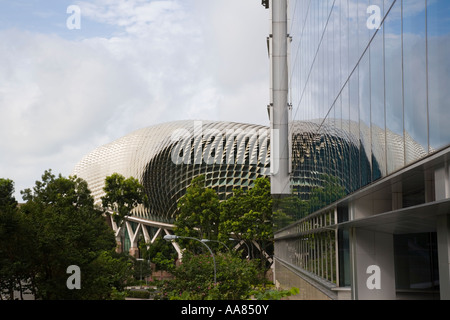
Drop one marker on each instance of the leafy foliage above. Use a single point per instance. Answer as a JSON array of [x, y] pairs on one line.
[[14, 236], [162, 254], [264, 293], [123, 195], [58, 226], [199, 213], [248, 216], [194, 278]]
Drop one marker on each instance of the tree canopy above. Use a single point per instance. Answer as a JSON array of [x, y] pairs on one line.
[[122, 195], [57, 227], [245, 216], [199, 212]]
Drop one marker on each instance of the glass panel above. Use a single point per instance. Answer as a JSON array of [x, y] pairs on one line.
[[344, 39], [380, 5], [377, 107], [363, 31], [354, 131], [344, 258], [336, 51], [438, 72], [323, 84], [388, 5], [353, 34], [393, 89], [414, 80], [346, 130], [416, 265], [365, 157]]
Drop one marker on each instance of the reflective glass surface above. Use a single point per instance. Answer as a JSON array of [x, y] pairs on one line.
[[370, 95], [377, 73], [438, 39], [414, 79], [393, 86]]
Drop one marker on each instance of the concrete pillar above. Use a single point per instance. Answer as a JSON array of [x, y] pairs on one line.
[[442, 182], [134, 252], [119, 244], [443, 242], [372, 259]]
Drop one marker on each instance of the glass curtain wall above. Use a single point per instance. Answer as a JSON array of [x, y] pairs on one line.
[[369, 79], [373, 72]]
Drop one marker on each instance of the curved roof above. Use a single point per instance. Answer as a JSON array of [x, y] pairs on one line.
[[166, 157]]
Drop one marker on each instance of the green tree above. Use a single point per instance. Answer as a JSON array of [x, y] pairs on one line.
[[248, 216], [66, 229], [7, 199], [162, 254], [194, 278], [199, 212], [122, 195], [114, 272], [15, 267]]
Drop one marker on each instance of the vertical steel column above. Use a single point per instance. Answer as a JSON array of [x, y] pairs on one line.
[[280, 180]]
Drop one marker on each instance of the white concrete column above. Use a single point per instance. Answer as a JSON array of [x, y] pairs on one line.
[[442, 182], [373, 271]]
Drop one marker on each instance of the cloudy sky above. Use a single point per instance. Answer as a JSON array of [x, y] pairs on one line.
[[131, 64]]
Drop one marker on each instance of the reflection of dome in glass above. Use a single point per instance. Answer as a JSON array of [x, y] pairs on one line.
[[350, 152], [233, 155]]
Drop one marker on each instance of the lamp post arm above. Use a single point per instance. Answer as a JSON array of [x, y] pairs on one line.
[[212, 254]]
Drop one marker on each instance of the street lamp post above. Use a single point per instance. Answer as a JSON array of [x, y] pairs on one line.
[[141, 266], [207, 240], [248, 248], [170, 237]]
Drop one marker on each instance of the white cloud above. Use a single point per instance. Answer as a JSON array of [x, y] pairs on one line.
[[170, 60]]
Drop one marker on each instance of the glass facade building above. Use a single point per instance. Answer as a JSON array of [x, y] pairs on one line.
[[372, 79], [378, 71]]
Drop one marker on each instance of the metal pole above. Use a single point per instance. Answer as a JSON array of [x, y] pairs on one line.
[[173, 237], [248, 248], [140, 262], [207, 240], [279, 140]]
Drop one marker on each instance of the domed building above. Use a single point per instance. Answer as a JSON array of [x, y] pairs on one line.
[[166, 157]]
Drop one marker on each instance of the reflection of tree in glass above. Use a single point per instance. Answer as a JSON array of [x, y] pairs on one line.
[[292, 208]]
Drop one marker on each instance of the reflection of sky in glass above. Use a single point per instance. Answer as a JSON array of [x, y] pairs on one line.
[[439, 15], [401, 79], [438, 28], [414, 75]]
